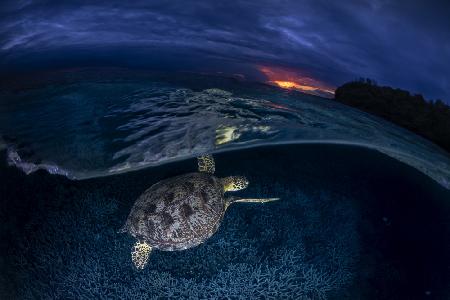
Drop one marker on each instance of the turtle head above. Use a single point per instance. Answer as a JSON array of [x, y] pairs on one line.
[[234, 183]]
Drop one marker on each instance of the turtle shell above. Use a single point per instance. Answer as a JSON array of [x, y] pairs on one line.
[[178, 213]]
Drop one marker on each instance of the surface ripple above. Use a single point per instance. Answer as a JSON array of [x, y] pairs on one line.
[[91, 128]]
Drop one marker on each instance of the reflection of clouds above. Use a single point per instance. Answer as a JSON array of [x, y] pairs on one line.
[[217, 92], [278, 106]]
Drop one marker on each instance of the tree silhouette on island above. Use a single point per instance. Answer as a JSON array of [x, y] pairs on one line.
[[429, 119]]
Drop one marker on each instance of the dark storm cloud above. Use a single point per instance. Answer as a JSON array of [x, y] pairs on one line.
[[399, 43]]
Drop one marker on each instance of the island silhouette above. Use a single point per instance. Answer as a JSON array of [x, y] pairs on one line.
[[427, 118]]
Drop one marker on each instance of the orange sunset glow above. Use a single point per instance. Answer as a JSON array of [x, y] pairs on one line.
[[289, 79]]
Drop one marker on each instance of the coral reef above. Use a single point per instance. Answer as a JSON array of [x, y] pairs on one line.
[[303, 247]]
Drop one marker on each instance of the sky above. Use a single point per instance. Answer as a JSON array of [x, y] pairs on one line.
[[313, 46]]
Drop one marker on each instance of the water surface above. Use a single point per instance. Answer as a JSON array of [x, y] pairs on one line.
[[87, 124]]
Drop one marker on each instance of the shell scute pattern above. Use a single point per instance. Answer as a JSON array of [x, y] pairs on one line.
[[179, 212]]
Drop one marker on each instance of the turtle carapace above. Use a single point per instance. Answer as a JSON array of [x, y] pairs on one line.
[[182, 212]]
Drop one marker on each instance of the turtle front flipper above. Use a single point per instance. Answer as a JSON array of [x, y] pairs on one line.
[[231, 200], [140, 254], [256, 200], [206, 164]]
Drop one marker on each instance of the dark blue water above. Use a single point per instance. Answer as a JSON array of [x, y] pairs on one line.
[[352, 224]]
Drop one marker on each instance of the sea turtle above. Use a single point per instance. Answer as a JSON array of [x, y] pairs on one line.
[[181, 212]]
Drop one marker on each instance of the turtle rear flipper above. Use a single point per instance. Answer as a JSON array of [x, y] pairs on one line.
[[140, 254], [206, 164]]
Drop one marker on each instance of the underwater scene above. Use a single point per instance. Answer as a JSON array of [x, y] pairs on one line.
[[290, 196]]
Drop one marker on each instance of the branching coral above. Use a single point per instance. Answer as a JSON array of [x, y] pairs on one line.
[[74, 252]]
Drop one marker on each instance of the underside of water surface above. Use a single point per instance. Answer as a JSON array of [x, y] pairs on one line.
[[84, 124]]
